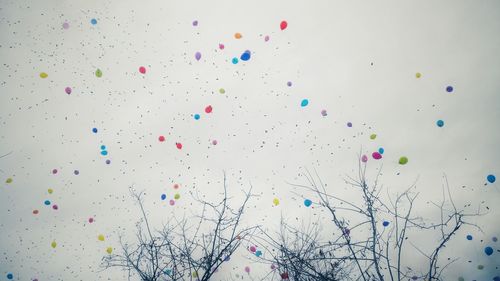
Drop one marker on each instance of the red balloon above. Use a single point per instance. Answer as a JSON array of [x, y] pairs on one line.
[[179, 145], [283, 25], [208, 109]]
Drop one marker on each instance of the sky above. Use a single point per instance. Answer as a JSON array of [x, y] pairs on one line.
[[342, 80]]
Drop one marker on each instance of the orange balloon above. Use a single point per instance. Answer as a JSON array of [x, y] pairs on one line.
[[237, 35]]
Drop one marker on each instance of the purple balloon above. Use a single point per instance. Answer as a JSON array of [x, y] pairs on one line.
[[197, 56]]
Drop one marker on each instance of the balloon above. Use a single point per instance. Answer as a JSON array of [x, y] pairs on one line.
[[238, 35], [142, 70], [418, 74], [488, 251], [304, 102], [98, 73], [373, 136], [208, 109], [307, 202], [440, 123], [283, 25], [197, 56], [276, 201], [100, 237], [9, 180], [177, 196], [43, 75], [247, 269], [178, 145], [245, 56], [376, 155], [109, 250], [161, 138], [385, 223], [491, 178], [403, 160], [53, 244], [364, 158]]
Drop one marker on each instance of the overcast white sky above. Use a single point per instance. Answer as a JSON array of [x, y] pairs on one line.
[[355, 59]]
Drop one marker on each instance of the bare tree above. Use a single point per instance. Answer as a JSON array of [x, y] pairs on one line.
[[371, 240], [191, 248], [300, 254]]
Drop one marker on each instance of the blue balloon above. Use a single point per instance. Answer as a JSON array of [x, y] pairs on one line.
[[381, 150], [304, 102], [10, 276], [93, 21], [385, 223], [104, 153], [103, 147], [94, 130], [491, 178], [234, 60], [440, 123], [47, 202], [469, 237], [488, 251], [245, 56], [197, 116], [163, 197], [258, 253], [307, 202]]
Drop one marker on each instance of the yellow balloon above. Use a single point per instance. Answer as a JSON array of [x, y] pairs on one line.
[[100, 237], [222, 91], [418, 75], [50, 190], [9, 180], [43, 75], [276, 201], [53, 244], [195, 274], [177, 196], [109, 250]]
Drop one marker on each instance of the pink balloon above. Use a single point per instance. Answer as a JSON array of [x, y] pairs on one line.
[[364, 158], [376, 155]]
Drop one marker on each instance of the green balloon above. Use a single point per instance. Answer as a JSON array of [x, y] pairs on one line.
[[98, 73], [403, 160]]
